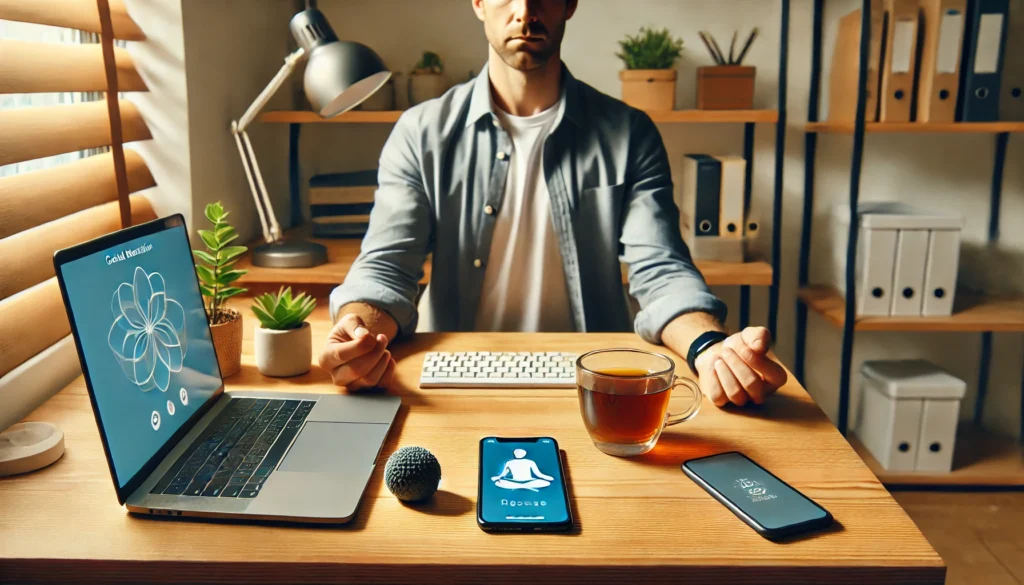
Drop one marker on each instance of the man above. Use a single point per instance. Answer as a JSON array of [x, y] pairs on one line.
[[529, 187]]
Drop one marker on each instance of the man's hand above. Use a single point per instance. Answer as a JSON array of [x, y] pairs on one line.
[[739, 370], [355, 358]]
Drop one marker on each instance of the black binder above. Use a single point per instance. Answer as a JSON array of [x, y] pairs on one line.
[[708, 191], [983, 56]]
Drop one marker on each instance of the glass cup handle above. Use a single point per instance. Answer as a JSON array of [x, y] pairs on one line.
[[672, 419]]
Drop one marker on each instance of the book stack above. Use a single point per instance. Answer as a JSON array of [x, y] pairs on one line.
[[713, 217], [340, 203], [932, 61]]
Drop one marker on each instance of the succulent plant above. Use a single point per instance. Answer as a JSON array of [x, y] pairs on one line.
[[283, 311], [216, 272], [650, 49]]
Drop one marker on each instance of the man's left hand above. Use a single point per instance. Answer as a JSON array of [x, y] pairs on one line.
[[739, 370]]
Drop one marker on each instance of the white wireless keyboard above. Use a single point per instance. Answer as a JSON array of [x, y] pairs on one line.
[[486, 369]]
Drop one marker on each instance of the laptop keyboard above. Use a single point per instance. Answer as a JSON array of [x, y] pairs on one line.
[[238, 451]]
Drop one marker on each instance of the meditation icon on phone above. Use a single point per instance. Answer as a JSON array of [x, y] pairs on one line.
[[525, 474]]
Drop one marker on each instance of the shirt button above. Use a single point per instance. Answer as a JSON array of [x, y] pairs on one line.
[[489, 210], [477, 263], [501, 156]]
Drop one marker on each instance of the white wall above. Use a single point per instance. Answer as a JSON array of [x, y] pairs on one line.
[[232, 50], [948, 171], [160, 60]]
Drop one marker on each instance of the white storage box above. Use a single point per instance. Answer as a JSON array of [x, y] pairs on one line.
[[908, 415], [907, 258]]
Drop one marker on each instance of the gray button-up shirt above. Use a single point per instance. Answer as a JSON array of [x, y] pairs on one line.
[[610, 185]]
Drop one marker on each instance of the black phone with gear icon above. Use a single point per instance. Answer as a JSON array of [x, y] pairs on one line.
[[766, 503]]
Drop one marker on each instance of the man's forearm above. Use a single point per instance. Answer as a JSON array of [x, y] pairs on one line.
[[681, 332], [376, 320]]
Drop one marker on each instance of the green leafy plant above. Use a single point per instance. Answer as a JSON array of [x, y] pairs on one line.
[[282, 311], [216, 272], [651, 49], [429, 63]]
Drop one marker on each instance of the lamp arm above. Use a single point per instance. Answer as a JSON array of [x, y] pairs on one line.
[[290, 62], [268, 219]]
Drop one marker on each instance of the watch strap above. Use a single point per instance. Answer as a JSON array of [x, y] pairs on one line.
[[701, 344]]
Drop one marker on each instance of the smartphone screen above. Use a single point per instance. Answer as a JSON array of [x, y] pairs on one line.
[[757, 497], [521, 485]]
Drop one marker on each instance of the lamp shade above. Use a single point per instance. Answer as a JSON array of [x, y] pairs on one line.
[[339, 74]]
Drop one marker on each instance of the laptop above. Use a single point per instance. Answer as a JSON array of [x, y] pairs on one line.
[[176, 443]]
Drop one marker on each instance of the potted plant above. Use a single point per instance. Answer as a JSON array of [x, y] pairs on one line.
[[427, 79], [649, 80], [216, 274], [284, 340]]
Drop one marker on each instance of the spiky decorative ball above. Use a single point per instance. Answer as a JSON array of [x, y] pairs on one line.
[[412, 474]]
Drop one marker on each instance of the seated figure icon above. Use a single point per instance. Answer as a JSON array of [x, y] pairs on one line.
[[524, 472]]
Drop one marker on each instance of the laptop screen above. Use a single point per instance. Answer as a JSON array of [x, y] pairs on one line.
[[145, 341]]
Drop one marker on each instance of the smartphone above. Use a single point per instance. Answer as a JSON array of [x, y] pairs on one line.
[[766, 503], [522, 486]]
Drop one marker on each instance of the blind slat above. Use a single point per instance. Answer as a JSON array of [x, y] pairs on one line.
[[52, 67], [31, 133], [32, 199], [77, 14], [28, 256], [31, 322]]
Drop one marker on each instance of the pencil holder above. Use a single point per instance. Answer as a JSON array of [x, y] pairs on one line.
[[725, 87]]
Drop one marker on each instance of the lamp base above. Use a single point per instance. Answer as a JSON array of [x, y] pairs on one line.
[[294, 253]]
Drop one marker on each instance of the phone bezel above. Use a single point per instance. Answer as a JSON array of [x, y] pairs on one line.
[[769, 533], [521, 526]]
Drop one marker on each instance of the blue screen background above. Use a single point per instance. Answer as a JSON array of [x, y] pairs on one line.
[[522, 505], [139, 412]]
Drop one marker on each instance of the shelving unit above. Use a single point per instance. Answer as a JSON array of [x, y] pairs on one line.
[[981, 459], [342, 252], [974, 465], [972, 314], [391, 116], [917, 128], [744, 275]]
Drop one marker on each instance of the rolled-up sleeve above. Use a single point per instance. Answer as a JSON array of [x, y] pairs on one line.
[[662, 276], [387, 272]]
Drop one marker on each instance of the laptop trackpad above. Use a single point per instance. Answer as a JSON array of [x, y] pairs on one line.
[[332, 447]]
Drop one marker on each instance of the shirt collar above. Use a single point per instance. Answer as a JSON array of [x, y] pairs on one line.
[[480, 104]]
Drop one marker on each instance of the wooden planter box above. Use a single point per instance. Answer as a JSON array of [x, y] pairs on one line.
[[725, 87], [653, 90]]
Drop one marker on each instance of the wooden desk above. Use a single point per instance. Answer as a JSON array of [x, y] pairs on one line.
[[639, 520]]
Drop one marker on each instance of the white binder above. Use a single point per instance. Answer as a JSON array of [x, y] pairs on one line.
[[938, 434], [940, 274], [876, 256], [730, 221], [908, 273]]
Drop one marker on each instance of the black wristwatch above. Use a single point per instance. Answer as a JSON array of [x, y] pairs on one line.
[[701, 344]]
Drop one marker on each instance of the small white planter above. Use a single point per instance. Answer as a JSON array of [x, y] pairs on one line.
[[425, 86], [284, 353]]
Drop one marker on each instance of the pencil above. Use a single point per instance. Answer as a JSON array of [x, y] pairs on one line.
[[732, 46], [704, 39], [721, 55], [746, 46]]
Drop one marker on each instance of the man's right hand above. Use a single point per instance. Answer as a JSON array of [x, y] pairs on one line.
[[356, 359]]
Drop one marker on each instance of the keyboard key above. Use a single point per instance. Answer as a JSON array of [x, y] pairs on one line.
[[231, 491]]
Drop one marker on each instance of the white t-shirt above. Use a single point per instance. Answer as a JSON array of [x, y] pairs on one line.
[[524, 281]]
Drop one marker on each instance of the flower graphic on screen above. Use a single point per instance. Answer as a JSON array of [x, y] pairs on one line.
[[148, 335]]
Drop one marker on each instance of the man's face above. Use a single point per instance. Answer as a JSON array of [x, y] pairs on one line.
[[524, 33]]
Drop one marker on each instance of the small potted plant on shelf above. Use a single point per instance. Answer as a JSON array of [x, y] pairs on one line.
[[649, 79], [284, 340], [427, 79], [216, 274]]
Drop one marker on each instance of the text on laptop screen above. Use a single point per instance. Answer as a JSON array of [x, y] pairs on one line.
[[146, 342]]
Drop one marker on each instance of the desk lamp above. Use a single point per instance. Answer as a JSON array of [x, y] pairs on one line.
[[339, 76]]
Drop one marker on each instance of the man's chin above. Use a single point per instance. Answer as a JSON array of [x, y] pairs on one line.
[[526, 60]]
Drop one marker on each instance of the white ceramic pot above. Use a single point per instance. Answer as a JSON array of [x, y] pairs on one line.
[[425, 86], [284, 353]]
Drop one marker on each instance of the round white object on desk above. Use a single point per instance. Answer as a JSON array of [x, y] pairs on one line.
[[29, 446]]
